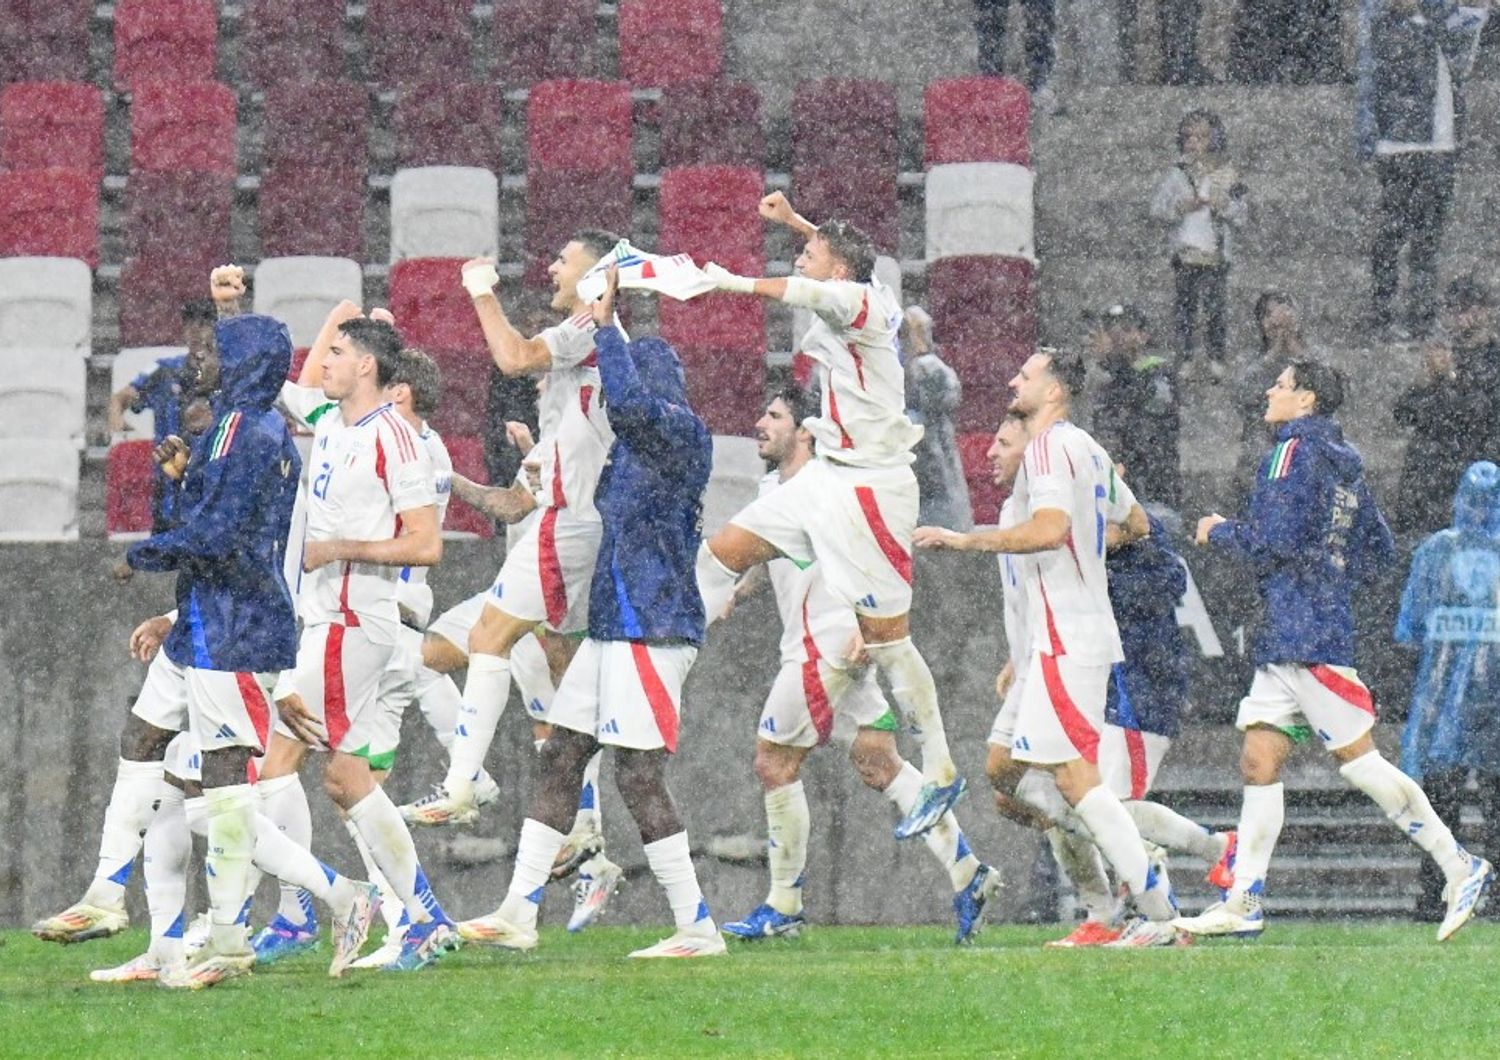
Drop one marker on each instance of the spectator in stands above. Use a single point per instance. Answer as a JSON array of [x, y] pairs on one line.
[[1286, 42], [1451, 608], [174, 391], [1278, 320], [1135, 412], [933, 393], [1443, 413], [1041, 53], [1201, 200], [1469, 318], [1410, 121]]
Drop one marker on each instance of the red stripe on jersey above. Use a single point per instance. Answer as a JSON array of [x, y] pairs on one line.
[[863, 315], [1350, 690], [648, 271], [1073, 551], [549, 568], [591, 361], [585, 398], [1080, 733], [845, 442], [1135, 749], [657, 696], [335, 705], [818, 707], [350, 618], [1072, 471], [406, 444], [859, 365], [380, 462], [899, 557], [582, 319], [1052, 637], [559, 496], [256, 706]]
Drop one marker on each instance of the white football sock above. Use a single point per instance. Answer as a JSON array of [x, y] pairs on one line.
[[788, 822], [716, 583], [535, 854], [1409, 809], [1167, 828], [1118, 840], [164, 864], [439, 700], [672, 864], [915, 693], [485, 694], [1079, 860], [1038, 789], [284, 801], [131, 804], [380, 823], [390, 904], [277, 856], [945, 839], [590, 817], [533, 675], [231, 845], [1262, 813]]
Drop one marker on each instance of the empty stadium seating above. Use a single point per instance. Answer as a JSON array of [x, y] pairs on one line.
[[431, 307], [45, 40], [974, 300], [444, 212], [984, 496], [47, 124], [129, 478], [129, 365], [299, 291], [291, 40], [185, 210], [164, 38], [46, 303], [539, 40], [38, 490], [448, 123], [711, 123], [846, 155], [153, 289], [418, 40], [669, 42], [42, 395], [182, 125], [312, 211], [49, 213], [977, 119], [334, 133], [467, 453]]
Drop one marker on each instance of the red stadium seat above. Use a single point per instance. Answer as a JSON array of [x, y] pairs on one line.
[[183, 125], [45, 124], [189, 212], [667, 42], [539, 40], [312, 210], [45, 40], [129, 479], [49, 213], [710, 213], [467, 453], [418, 40], [559, 203], [431, 307], [978, 119], [164, 38], [153, 290], [448, 123], [291, 40], [984, 496], [334, 133], [846, 155], [711, 123], [726, 389], [980, 300]]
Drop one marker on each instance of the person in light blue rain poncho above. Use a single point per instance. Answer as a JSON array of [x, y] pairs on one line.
[[1451, 608]]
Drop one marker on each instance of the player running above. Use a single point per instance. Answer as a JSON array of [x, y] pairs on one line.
[[544, 580], [1067, 494], [854, 506], [624, 687], [1313, 531], [818, 631]]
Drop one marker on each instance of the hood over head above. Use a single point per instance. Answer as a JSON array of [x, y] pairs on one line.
[[1326, 431], [659, 369], [255, 355], [1476, 502]]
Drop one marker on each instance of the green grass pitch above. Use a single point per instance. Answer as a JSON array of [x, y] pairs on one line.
[[1366, 990]]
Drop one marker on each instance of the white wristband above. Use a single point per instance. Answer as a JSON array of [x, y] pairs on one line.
[[725, 280], [480, 279]]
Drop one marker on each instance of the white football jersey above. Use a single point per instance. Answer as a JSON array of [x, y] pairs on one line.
[[575, 435], [853, 340], [413, 594], [359, 477], [1014, 571], [809, 611], [1069, 611]]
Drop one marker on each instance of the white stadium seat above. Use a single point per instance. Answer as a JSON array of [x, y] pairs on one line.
[[42, 395], [980, 208], [38, 491], [299, 292], [129, 363], [734, 481], [444, 212], [46, 303]]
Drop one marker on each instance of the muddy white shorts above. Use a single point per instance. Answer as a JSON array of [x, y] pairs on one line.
[[163, 697], [624, 693], [812, 702], [183, 759], [227, 709], [1061, 712], [1331, 700], [1003, 729], [546, 577], [338, 676], [1129, 759]]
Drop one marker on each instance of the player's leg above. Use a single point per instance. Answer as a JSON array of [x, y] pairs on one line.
[[1004, 772], [283, 801], [778, 767], [1128, 762]]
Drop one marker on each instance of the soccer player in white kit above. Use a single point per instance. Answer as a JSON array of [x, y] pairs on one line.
[[544, 580], [1068, 494], [371, 511], [818, 633], [853, 509]]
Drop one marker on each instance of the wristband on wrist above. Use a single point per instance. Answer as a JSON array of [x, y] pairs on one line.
[[480, 280]]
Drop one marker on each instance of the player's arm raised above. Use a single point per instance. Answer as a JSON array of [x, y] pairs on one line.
[[513, 353], [793, 290], [311, 374]]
